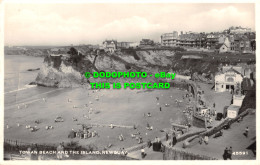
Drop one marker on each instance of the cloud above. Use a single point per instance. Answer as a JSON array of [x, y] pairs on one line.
[[220, 19], [92, 23], [133, 27]]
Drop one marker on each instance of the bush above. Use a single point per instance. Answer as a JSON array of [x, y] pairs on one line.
[[249, 101]]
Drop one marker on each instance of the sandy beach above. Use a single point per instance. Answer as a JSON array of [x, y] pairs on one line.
[[119, 107]]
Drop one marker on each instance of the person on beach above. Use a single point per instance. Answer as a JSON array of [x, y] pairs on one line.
[[140, 140], [160, 108], [60, 149], [133, 135], [246, 132], [149, 143], [111, 126], [174, 139], [206, 140], [225, 155], [229, 155], [200, 139], [166, 136], [156, 139], [210, 120], [143, 154], [121, 137]]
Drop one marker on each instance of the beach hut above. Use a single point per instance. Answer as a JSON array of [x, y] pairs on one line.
[[232, 111]]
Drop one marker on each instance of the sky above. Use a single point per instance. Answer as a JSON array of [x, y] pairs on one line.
[[66, 24]]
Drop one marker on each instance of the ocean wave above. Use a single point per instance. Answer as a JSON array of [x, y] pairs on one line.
[[26, 87]]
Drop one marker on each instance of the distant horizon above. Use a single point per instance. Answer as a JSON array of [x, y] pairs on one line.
[[66, 24]]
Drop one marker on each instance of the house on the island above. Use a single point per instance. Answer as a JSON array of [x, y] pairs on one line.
[[110, 45], [55, 52], [228, 80], [58, 53]]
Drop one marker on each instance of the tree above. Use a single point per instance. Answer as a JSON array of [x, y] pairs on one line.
[[73, 51], [75, 56], [253, 45]]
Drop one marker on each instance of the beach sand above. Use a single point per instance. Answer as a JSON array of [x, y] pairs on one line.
[[117, 106]]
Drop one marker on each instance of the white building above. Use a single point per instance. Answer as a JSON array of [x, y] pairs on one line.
[[169, 39], [229, 80]]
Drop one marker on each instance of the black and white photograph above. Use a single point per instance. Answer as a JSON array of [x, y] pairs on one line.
[[129, 81]]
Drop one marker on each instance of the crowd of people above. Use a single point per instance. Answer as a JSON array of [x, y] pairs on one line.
[[227, 153], [82, 134]]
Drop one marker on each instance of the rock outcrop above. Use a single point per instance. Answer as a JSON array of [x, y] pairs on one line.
[[58, 71]]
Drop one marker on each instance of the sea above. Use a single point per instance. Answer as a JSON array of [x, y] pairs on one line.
[[17, 79]]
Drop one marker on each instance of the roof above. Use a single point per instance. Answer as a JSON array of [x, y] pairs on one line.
[[219, 45], [233, 70], [229, 70], [110, 41], [241, 38]]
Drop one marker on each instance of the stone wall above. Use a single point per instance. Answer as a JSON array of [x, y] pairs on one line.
[[175, 154]]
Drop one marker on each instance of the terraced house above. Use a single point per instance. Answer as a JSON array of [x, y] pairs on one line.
[[219, 41]]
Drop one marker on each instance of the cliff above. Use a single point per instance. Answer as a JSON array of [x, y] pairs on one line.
[[58, 71], [68, 70]]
